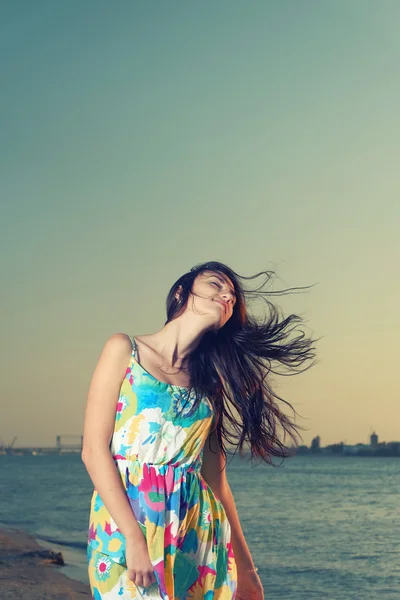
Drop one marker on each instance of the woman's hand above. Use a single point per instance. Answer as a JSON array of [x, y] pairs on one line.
[[140, 568], [249, 587]]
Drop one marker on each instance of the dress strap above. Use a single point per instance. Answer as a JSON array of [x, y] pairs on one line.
[[134, 347]]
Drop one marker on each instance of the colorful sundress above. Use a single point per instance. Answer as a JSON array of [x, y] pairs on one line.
[[158, 451]]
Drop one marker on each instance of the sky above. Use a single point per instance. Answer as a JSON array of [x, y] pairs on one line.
[[141, 138]]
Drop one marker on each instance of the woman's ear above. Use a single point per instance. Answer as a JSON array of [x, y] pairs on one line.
[[178, 293]]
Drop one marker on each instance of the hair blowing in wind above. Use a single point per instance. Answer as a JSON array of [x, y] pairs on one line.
[[233, 367]]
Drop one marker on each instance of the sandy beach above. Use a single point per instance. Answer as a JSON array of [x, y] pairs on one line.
[[25, 574]]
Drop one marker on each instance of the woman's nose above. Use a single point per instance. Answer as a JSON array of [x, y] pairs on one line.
[[227, 296]]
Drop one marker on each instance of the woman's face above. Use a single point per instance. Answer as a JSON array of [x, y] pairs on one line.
[[213, 295]]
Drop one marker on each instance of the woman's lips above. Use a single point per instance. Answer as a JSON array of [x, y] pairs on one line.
[[222, 303]]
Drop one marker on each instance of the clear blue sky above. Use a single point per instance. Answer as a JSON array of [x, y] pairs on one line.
[[140, 138]]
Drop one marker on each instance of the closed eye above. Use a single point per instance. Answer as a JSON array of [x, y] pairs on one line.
[[219, 287]]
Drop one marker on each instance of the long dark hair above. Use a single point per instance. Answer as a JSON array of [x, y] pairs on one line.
[[232, 367]]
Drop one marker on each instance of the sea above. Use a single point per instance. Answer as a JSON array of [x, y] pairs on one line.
[[318, 526]]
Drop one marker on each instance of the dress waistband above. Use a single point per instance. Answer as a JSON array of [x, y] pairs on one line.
[[194, 466]]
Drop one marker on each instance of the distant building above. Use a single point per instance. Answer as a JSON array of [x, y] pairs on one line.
[[356, 449], [315, 444], [374, 440], [347, 449]]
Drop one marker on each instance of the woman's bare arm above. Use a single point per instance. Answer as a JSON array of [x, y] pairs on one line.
[[98, 430], [215, 476]]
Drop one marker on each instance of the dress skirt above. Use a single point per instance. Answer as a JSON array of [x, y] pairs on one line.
[[109, 580]]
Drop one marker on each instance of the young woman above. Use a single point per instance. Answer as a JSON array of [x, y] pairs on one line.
[[163, 521]]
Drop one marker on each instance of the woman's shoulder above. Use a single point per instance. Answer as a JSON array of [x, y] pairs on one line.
[[119, 344]]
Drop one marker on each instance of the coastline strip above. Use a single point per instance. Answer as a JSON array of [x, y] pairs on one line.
[[23, 571]]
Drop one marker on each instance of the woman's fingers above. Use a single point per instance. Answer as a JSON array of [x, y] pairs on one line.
[[135, 577], [142, 579], [148, 581]]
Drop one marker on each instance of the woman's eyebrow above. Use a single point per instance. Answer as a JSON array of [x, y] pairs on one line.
[[223, 281]]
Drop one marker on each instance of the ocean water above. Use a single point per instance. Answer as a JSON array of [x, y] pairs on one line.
[[323, 527]]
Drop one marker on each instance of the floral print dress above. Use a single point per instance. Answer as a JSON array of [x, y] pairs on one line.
[[157, 446]]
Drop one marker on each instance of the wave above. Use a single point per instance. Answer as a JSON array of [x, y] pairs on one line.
[[60, 542]]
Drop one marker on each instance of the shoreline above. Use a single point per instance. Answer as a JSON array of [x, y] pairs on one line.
[[23, 571]]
